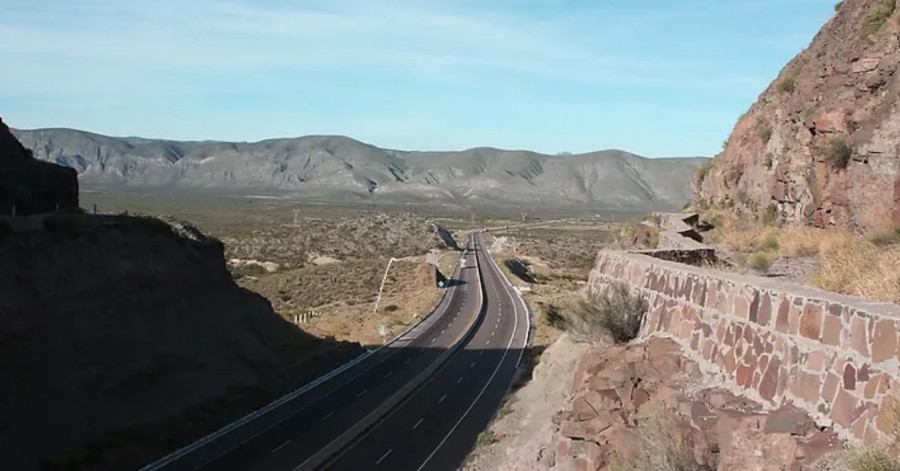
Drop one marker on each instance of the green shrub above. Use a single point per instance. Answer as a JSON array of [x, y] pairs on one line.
[[877, 16], [837, 151], [486, 438], [838, 5], [770, 243], [247, 270], [615, 312], [787, 85], [760, 262]]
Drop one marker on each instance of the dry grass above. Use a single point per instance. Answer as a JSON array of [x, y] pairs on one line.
[[615, 313], [863, 270], [795, 241], [660, 446], [879, 458]]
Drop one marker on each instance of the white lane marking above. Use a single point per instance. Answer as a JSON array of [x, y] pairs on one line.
[[280, 446], [442, 332], [488, 383], [388, 375], [472, 365], [432, 340], [363, 392], [384, 456], [459, 380], [406, 361], [323, 419], [481, 352], [492, 333], [488, 342], [418, 423], [442, 398]]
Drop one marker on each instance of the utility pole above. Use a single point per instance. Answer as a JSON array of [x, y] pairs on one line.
[[383, 279], [523, 216], [296, 217]]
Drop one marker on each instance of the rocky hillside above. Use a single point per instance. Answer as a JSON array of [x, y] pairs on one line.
[[821, 146], [334, 168], [29, 186], [122, 338]]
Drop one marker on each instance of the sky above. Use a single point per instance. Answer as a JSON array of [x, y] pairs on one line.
[[653, 77]]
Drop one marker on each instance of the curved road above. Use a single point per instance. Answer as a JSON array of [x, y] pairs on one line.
[[354, 420]]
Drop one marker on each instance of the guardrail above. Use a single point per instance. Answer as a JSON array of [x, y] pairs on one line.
[[370, 420], [200, 443]]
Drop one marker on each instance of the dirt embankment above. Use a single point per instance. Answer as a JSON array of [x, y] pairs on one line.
[[123, 338]]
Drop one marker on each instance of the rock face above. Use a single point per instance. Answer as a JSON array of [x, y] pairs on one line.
[[123, 338], [821, 145], [30, 186]]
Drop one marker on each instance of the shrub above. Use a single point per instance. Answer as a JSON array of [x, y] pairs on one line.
[[659, 446], [837, 151], [770, 160], [863, 270], [838, 5], [787, 85], [763, 130], [885, 237], [876, 17], [879, 459], [770, 243], [487, 438], [760, 262], [733, 177], [247, 270], [703, 171], [615, 312], [770, 217]]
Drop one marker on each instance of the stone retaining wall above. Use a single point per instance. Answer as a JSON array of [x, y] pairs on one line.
[[832, 355]]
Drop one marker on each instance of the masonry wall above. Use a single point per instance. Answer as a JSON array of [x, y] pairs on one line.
[[774, 342]]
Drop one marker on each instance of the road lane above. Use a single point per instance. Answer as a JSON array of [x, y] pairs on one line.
[[303, 426]]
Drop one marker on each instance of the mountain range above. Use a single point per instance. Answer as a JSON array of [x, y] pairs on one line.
[[341, 169]]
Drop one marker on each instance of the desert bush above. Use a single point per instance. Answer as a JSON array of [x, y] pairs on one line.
[[770, 217], [702, 171], [787, 85], [770, 160], [878, 458], [885, 236], [659, 446], [761, 262], [770, 242], [863, 270], [877, 16], [486, 438], [763, 130], [615, 312], [838, 5], [637, 235], [837, 151]]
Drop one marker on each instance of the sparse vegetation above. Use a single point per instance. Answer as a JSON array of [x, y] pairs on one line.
[[763, 130], [770, 217], [614, 313], [659, 446], [879, 458], [769, 243], [761, 262], [637, 235], [886, 236], [704, 169], [864, 269], [244, 271], [486, 438], [787, 85], [769, 161], [877, 16], [837, 151], [838, 5], [733, 177]]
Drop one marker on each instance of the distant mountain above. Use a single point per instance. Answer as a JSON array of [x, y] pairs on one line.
[[336, 168]]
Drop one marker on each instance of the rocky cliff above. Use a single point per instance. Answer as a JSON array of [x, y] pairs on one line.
[[122, 338], [821, 144], [30, 186]]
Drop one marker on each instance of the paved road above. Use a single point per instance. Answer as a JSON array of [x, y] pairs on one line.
[[302, 426], [438, 425], [432, 428]]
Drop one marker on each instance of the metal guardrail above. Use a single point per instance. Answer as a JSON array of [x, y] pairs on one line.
[[196, 445]]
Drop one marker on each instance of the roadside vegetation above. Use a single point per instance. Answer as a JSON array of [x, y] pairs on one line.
[[659, 446], [840, 261], [614, 313], [882, 457]]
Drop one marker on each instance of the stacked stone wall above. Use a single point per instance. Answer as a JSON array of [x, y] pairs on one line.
[[832, 355]]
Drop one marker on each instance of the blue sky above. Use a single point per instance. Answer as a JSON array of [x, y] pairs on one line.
[[658, 78]]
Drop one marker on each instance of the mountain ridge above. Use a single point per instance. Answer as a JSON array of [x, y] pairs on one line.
[[340, 168]]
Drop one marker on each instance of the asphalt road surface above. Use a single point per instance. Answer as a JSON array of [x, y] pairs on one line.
[[432, 428]]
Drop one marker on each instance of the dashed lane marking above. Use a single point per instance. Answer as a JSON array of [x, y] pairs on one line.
[[418, 423], [442, 398], [363, 392], [280, 446], [326, 416], [384, 456]]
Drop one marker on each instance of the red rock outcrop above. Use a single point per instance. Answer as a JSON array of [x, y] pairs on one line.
[[821, 146]]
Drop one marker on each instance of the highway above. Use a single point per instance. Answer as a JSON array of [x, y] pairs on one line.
[[417, 403]]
